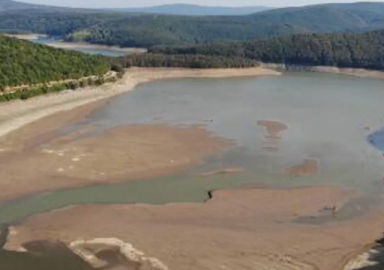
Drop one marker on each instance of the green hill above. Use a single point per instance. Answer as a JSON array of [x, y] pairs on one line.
[[132, 29], [195, 10], [12, 5], [363, 50], [22, 62]]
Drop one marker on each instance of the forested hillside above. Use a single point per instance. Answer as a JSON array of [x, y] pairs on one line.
[[182, 61], [365, 50], [13, 5], [22, 62], [195, 10], [130, 29]]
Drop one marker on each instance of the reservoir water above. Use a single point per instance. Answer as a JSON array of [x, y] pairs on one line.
[[82, 47], [299, 129]]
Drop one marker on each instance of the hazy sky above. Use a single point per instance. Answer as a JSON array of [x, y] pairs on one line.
[[135, 3]]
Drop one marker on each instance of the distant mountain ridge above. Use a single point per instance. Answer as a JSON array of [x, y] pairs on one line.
[[195, 10], [12, 5], [172, 9], [132, 29]]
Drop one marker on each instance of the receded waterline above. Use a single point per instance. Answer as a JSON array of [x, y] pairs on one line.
[[317, 127]]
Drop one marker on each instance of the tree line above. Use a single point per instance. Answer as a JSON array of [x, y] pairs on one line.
[[182, 61], [138, 30], [26, 63], [364, 50]]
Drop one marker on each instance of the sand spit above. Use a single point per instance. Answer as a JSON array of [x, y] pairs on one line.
[[234, 170], [363, 73], [308, 167], [357, 72], [51, 161], [126, 153], [274, 130], [237, 229], [16, 114]]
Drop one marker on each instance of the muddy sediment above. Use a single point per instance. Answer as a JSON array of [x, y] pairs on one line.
[[247, 226], [18, 113], [273, 133], [308, 167], [224, 171], [122, 154]]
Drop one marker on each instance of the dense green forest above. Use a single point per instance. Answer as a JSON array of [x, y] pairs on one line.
[[138, 30], [365, 50], [183, 61], [194, 10], [23, 62]]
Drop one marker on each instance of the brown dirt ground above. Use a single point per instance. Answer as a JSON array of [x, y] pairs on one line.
[[238, 229], [35, 158]]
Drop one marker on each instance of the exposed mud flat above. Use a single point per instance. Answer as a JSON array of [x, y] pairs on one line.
[[309, 167], [60, 163], [222, 171], [121, 154], [307, 228], [274, 130], [15, 114], [356, 72], [239, 229]]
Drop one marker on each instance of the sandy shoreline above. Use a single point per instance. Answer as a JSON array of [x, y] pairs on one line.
[[128, 153], [355, 72], [247, 214], [362, 73], [237, 229], [65, 162], [16, 114]]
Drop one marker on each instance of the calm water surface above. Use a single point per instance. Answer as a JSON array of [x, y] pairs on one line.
[[93, 49], [330, 119]]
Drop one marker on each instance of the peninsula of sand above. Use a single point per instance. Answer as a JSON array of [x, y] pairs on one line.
[[244, 228], [157, 149]]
